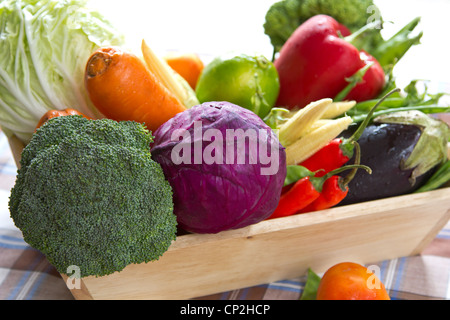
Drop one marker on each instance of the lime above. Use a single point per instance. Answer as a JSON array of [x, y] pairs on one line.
[[249, 81]]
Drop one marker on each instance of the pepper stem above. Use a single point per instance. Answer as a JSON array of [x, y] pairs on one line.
[[343, 183], [357, 134], [356, 78], [352, 38], [319, 181]]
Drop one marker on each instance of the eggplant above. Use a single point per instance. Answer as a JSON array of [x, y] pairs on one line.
[[403, 150]]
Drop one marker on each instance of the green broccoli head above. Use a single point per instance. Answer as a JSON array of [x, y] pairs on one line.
[[128, 133], [285, 16], [91, 196]]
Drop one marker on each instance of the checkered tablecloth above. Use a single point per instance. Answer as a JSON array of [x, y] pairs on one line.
[[25, 274]]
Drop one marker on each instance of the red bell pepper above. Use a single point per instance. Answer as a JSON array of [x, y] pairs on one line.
[[317, 61]]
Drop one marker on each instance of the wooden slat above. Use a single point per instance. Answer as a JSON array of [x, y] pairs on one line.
[[197, 265]]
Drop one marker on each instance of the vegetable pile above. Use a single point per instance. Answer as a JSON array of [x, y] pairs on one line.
[[124, 150]]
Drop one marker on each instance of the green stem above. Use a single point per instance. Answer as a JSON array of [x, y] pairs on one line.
[[349, 177], [353, 81], [364, 106], [319, 181], [274, 117], [424, 109], [355, 35], [295, 173], [347, 145], [357, 134]]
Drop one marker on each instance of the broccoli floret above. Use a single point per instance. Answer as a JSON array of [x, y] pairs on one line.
[[90, 195], [285, 16], [131, 133]]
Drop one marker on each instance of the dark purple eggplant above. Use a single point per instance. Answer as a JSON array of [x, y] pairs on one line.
[[402, 154]]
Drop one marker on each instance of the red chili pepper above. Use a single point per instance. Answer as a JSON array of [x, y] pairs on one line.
[[334, 190], [328, 158], [318, 59], [300, 195], [333, 193], [306, 191]]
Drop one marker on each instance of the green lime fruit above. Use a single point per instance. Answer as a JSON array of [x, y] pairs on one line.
[[249, 81]]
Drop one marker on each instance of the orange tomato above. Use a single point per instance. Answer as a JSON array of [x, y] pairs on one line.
[[58, 113], [350, 281]]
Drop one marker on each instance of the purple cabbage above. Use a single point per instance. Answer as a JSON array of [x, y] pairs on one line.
[[218, 184]]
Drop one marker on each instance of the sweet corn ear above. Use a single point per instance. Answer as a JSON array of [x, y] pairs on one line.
[[317, 124], [336, 109], [171, 80], [312, 142], [299, 123]]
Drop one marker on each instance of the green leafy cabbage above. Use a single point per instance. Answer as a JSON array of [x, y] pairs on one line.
[[44, 47]]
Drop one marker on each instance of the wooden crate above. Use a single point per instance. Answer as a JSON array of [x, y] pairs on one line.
[[201, 264]]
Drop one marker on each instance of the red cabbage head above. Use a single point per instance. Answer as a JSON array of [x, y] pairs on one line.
[[225, 165]]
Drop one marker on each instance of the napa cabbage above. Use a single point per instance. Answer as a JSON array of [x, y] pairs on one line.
[[44, 47]]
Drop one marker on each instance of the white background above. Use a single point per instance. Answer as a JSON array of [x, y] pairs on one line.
[[215, 27]]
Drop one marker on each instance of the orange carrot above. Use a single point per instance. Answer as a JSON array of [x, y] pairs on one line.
[[122, 88], [188, 65], [58, 113]]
